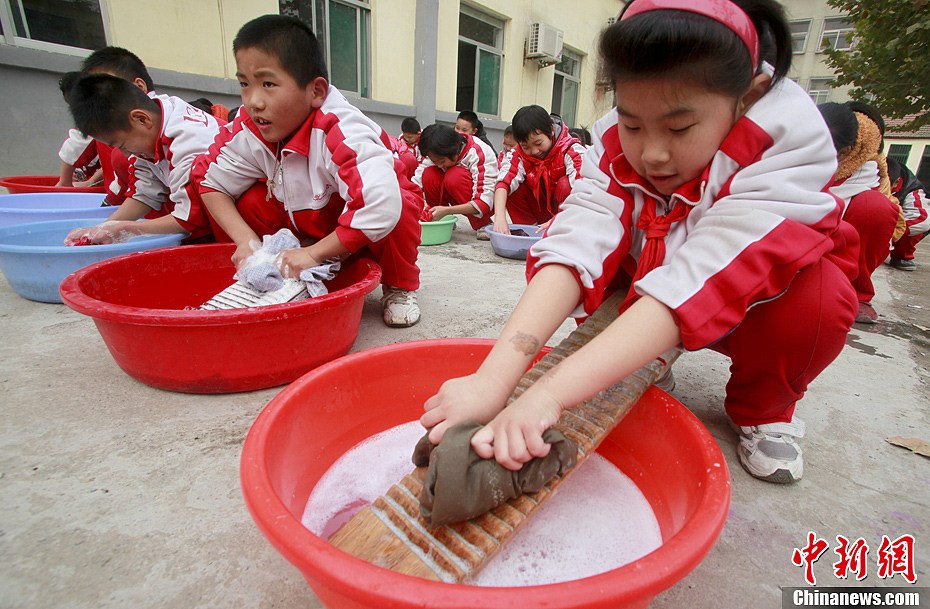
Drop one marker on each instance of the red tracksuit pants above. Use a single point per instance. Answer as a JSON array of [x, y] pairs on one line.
[[396, 254], [784, 344], [451, 187], [524, 208], [874, 217]]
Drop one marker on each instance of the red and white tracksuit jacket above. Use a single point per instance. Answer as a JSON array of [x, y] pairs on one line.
[[80, 151], [186, 133], [337, 172], [542, 175], [914, 205], [761, 214], [481, 163], [874, 217], [402, 146]]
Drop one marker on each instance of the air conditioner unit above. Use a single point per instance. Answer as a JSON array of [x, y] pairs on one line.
[[544, 44]]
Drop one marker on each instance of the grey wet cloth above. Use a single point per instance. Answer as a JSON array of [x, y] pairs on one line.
[[261, 272], [460, 485]]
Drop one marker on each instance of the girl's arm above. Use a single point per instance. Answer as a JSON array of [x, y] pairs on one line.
[[65, 174], [550, 296], [644, 331], [466, 209], [500, 211]]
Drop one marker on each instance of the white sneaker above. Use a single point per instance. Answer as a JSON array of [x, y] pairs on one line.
[[399, 307], [482, 234], [769, 452]]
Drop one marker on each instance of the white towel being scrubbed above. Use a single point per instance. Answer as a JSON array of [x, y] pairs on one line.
[[261, 271]]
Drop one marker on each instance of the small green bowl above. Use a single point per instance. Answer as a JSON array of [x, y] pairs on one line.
[[438, 232]]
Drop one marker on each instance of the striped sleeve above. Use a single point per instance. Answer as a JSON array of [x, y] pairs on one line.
[[144, 184], [364, 168], [600, 210], [484, 178], [231, 164], [511, 173]]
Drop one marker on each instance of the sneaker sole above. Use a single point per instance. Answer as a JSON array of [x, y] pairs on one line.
[[779, 476], [402, 325]]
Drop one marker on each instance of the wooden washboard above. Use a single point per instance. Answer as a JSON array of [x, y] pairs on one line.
[[390, 532]]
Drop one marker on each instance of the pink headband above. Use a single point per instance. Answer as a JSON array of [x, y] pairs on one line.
[[722, 11]]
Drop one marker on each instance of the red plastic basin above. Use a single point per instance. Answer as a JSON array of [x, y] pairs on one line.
[[24, 184], [138, 302], [300, 434]]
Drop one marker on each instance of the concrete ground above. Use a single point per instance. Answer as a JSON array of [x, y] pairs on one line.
[[114, 494]]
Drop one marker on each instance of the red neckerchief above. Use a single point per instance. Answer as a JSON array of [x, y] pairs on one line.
[[653, 252], [539, 171]]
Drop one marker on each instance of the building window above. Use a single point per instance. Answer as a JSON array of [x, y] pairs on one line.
[[343, 28], [819, 89], [923, 170], [899, 152], [799, 33], [837, 34], [479, 63], [69, 23], [565, 87]]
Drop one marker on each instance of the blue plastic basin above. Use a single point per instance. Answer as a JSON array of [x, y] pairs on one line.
[[46, 206], [35, 260], [514, 246]]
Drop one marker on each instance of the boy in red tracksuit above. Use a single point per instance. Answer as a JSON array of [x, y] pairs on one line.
[[124, 64], [540, 172], [80, 165], [407, 145], [457, 176], [332, 178], [911, 195], [162, 135]]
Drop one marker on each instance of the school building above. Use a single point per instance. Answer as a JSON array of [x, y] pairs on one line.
[[392, 58], [814, 25]]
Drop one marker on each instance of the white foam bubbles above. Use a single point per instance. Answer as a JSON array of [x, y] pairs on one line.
[[597, 521]]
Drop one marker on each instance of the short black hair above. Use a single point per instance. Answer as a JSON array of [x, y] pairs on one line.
[[529, 119], [100, 104], [693, 48], [232, 114], [119, 62], [202, 103], [441, 140], [410, 125], [67, 81], [508, 130], [469, 116], [842, 123], [288, 40], [583, 135]]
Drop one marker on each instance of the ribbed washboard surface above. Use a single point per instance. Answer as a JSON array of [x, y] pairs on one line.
[[239, 296], [390, 532]]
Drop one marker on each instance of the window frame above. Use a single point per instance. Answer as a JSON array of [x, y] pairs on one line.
[[566, 78], [363, 81], [795, 35], [816, 93], [835, 34], [498, 50], [10, 38], [902, 153]]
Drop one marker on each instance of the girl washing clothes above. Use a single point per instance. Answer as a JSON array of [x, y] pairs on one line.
[[705, 194]]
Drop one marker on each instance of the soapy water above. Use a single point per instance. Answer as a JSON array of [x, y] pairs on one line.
[[598, 519]]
